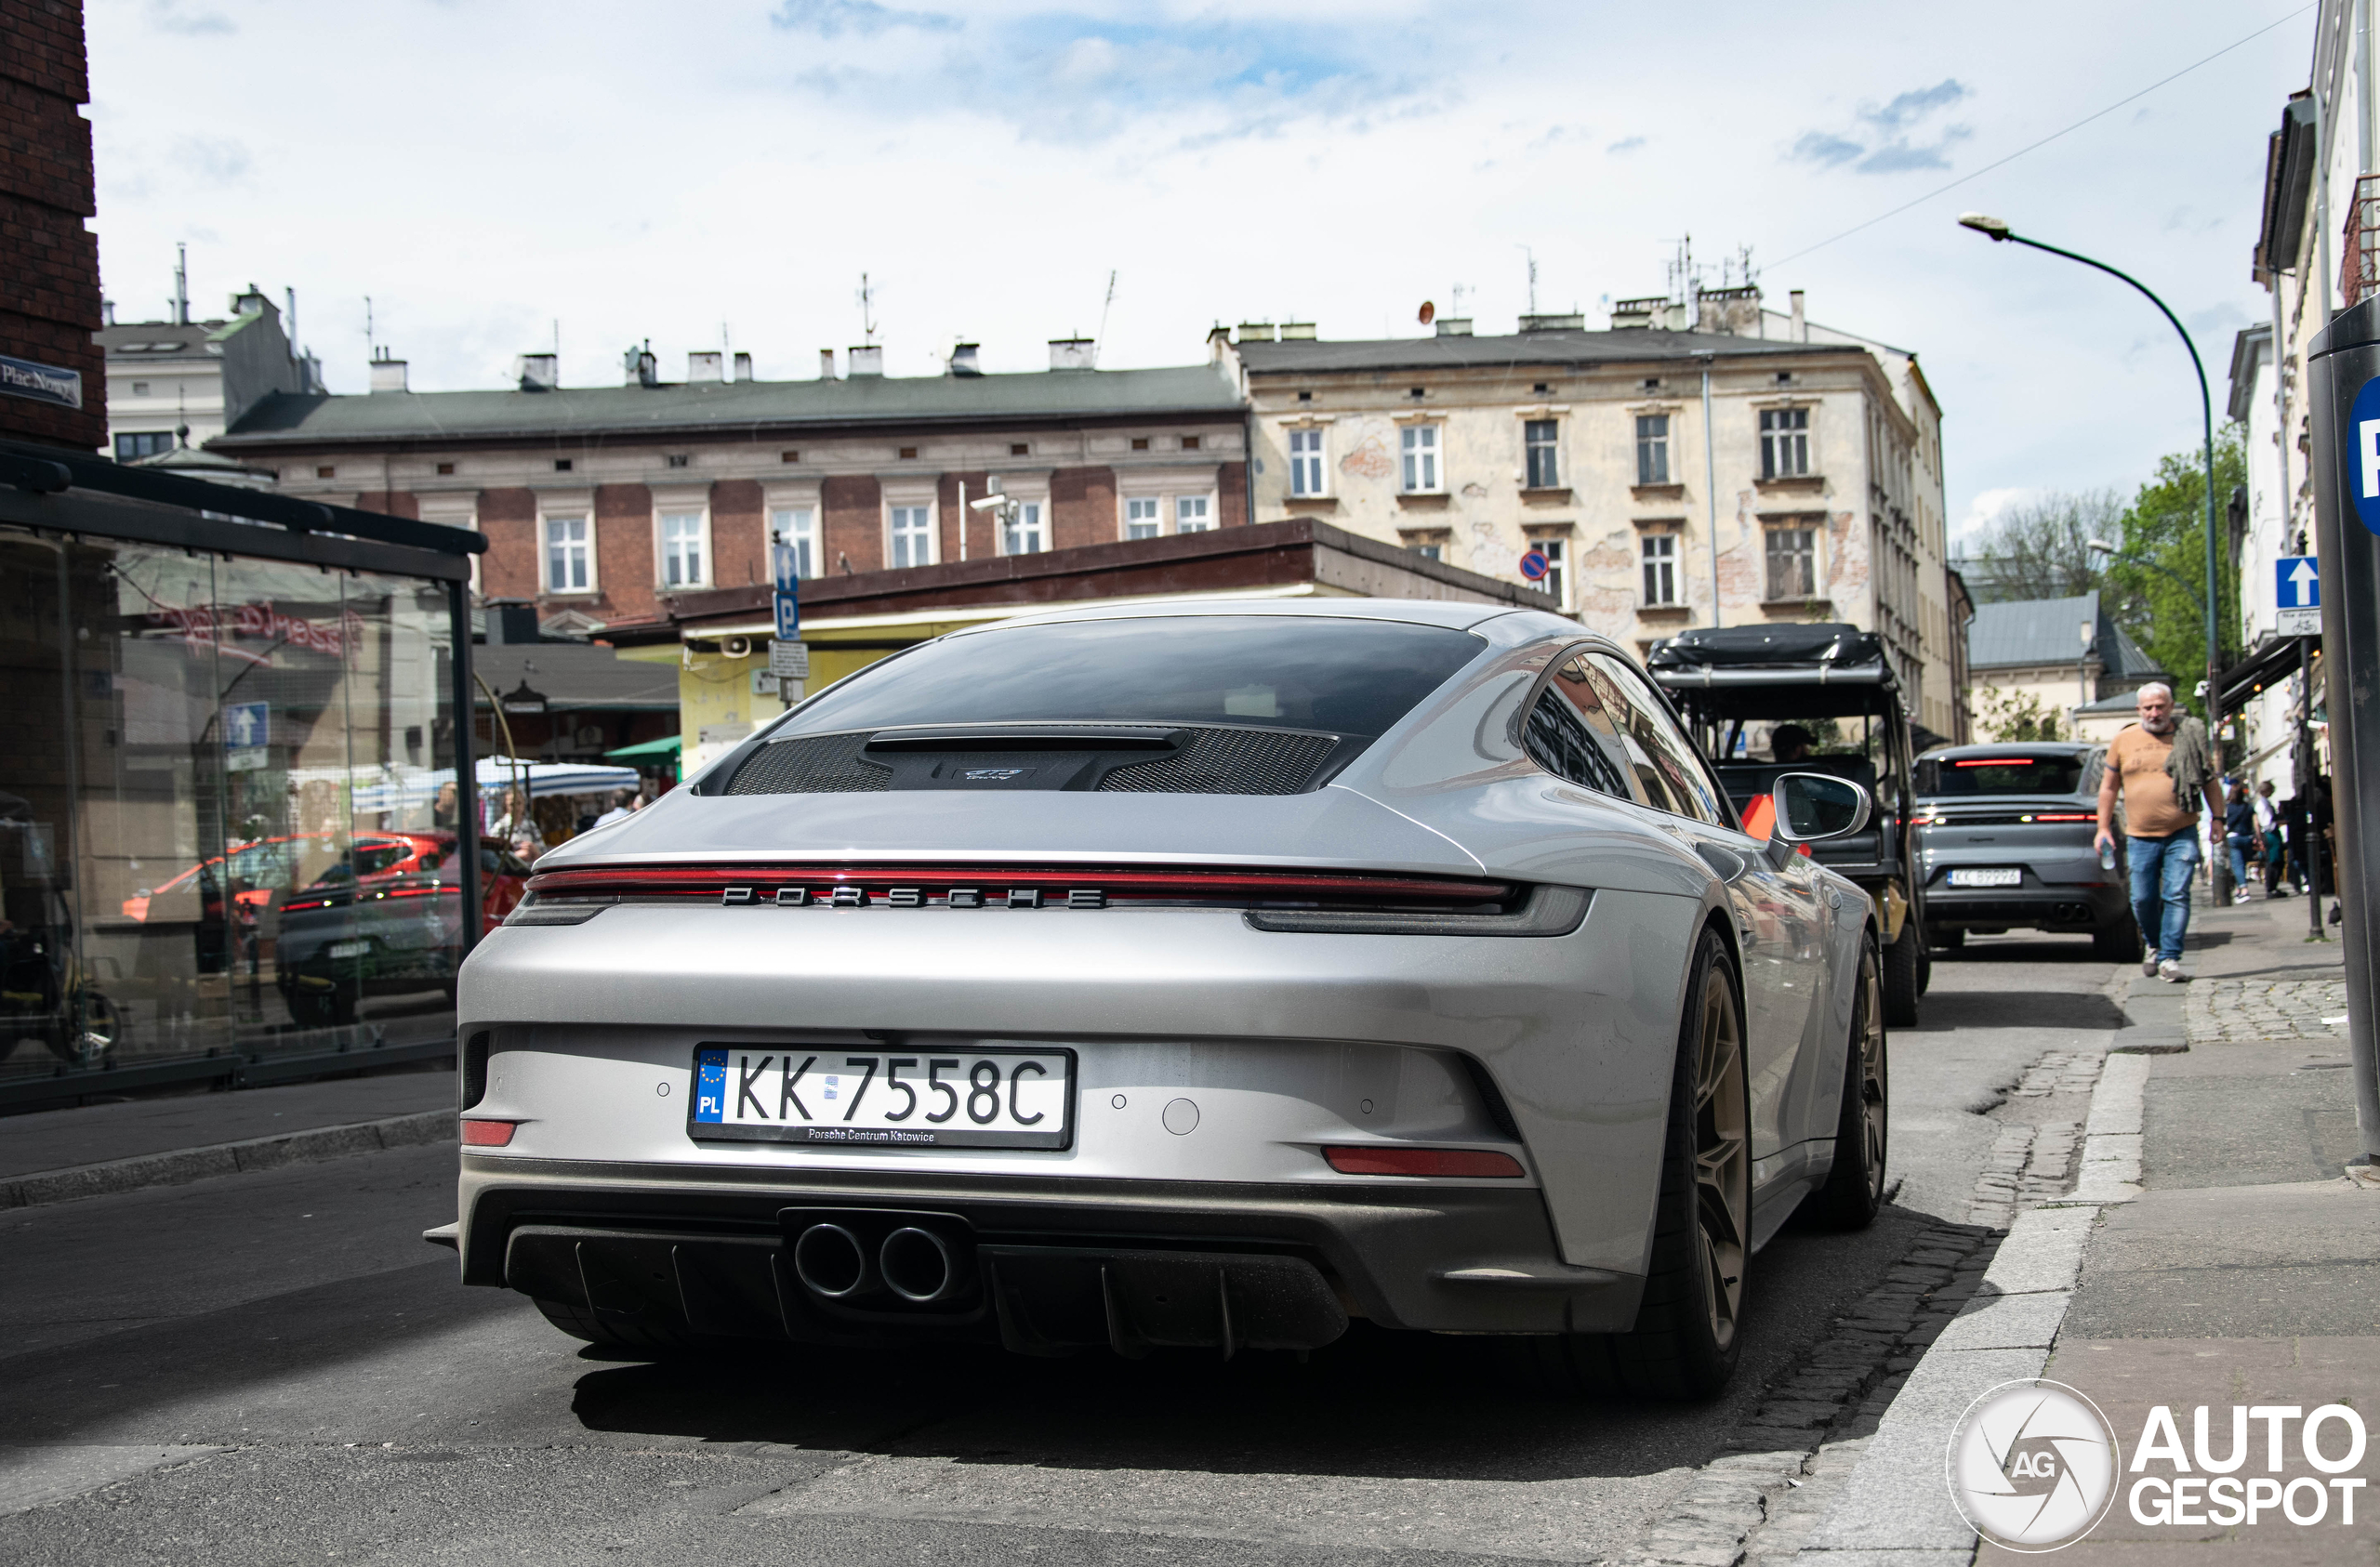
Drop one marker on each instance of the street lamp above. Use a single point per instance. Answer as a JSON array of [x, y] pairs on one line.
[[1998, 231], [2101, 546]]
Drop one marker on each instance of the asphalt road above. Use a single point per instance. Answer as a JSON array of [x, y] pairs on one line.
[[272, 1368]]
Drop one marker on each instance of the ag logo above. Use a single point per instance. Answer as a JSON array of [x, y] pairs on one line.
[[2363, 454], [2032, 1465]]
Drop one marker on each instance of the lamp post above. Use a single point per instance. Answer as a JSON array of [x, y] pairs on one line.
[[1998, 231]]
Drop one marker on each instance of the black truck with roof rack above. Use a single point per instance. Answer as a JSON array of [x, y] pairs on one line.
[[1765, 700]]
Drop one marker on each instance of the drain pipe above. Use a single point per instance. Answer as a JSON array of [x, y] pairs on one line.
[[1711, 491]]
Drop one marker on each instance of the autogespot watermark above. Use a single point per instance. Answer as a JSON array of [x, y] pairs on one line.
[[2033, 1466]]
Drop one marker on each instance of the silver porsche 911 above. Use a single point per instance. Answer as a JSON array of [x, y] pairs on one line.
[[1157, 976]]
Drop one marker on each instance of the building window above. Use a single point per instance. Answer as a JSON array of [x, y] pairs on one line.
[[1429, 552], [1538, 437], [1557, 560], [1027, 535], [678, 459], [788, 456], [567, 569], [562, 464], [1140, 443], [1141, 521], [912, 536], [908, 453], [445, 469], [1652, 448], [682, 548], [1192, 514], [326, 473], [1305, 461], [147, 443], [1020, 449], [797, 526], [1784, 443], [1661, 570], [140, 389], [1189, 444], [1792, 564], [1421, 443]]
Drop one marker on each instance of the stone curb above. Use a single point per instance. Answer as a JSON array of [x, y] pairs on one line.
[[177, 1165], [1896, 1507]]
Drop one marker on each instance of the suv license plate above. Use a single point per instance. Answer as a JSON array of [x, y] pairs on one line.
[[1987, 878], [967, 1099], [347, 949]]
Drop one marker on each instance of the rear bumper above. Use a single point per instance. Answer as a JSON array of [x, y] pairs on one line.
[[1062, 1263], [2033, 904]]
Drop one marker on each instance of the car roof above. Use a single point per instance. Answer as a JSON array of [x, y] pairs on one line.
[[1457, 616], [2015, 748]]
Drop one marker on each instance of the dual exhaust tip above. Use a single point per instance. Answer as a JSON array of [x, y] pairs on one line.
[[917, 1265]]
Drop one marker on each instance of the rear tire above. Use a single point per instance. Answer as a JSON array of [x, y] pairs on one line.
[[1903, 977], [1685, 1341], [1855, 1189], [2121, 945]]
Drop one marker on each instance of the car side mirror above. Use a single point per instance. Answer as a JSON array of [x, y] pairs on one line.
[[1814, 807]]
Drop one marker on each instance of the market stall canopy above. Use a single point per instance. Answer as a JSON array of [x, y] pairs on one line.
[[379, 790], [667, 745], [551, 778]]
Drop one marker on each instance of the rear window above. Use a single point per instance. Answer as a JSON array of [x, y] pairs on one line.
[[1344, 677], [1968, 777]]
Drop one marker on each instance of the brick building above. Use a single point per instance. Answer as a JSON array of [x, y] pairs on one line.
[[50, 388], [607, 505]]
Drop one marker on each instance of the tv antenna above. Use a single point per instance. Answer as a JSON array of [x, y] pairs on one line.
[[1532, 278], [866, 311], [1101, 341]]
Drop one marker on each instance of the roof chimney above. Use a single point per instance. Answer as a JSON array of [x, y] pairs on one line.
[[708, 366], [825, 364], [641, 369], [963, 360], [388, 376], [1454, 326], [743, 367], [867, 358], [1296, 332], [1071, 353], [537, 372], [1255, 330], [1800, 331], [1568, 321]]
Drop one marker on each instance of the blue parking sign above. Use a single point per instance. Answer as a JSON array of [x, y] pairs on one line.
[[788, 617]]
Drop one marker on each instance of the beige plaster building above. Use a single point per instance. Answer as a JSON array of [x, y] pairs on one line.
[[1811, 458]]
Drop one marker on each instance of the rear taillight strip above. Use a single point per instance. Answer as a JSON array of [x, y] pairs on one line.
[[999, 886]]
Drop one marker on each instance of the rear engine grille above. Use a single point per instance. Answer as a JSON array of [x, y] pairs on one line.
[[826, 764], [1228, 761]]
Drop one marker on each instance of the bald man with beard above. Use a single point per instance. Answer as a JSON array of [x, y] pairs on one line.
[[2160, 826]]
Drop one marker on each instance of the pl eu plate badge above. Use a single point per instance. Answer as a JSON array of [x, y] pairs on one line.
[[711, 1085]]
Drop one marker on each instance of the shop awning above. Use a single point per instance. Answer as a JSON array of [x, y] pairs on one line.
[[2268, 665], [667, 745], [555, 778]]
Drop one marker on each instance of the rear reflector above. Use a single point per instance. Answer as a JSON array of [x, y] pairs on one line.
[[1469, 1162], [487, 1134]]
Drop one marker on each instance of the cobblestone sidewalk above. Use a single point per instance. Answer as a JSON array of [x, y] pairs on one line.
[[2241, 1011]]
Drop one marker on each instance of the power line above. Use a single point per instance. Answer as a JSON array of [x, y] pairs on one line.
[[2044, 141]]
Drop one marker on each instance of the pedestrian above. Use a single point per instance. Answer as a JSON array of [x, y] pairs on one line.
[[2240, 835], [624, 805], [2294, 829], [517, 827], [2268, 828], [2161, 768]]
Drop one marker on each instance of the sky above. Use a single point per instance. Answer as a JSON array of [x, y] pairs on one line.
[[498, 177]]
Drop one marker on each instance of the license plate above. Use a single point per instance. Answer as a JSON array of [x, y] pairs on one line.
[[1987, 878], [347, 949], [877, 1099]]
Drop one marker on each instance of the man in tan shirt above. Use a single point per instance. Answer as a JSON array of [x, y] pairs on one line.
[[2163, 830]]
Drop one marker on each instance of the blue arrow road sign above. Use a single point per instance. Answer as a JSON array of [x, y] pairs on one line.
[[784, 563], [246, 724], [2297, 583]]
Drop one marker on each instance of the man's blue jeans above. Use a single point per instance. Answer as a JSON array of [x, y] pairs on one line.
[[2160, 889]]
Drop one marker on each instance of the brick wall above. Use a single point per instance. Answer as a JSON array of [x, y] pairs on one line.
[[508, 518], [389, 503], [622, 552], [1082, 507], [49, 261], [739, 533], [852, 527], [1231, 499]]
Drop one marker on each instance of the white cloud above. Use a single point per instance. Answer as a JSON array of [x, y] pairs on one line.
[[1983, 510]]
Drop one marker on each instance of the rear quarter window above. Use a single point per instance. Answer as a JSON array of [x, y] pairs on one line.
[[1957, 777]]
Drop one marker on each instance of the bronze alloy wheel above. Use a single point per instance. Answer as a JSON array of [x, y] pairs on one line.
[[1872, 1103], [1722, 1158]]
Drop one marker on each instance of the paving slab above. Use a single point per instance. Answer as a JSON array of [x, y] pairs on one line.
[[93, 1134]]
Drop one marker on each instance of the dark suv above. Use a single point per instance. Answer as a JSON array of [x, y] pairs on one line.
[[2006, 833], [1743, 690]]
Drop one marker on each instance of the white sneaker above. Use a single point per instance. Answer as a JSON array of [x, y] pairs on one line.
[[2239, 894], [2171, 973], [2148, 967]]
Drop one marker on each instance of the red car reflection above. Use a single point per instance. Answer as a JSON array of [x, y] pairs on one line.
[[263, 870]]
